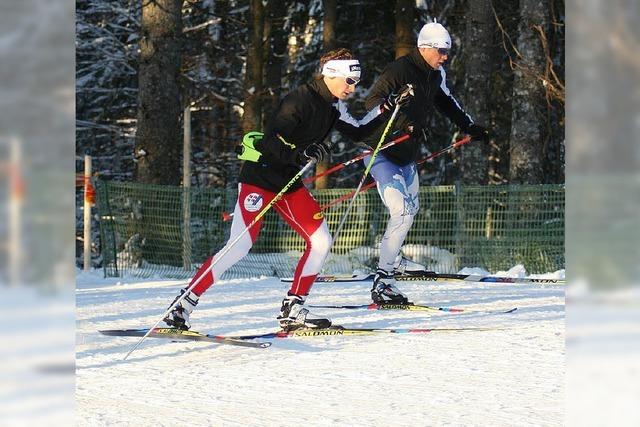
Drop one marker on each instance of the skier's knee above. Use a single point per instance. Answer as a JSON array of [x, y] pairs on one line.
[[403, 217], [321, 241], [409, 218], [399, 224], [406, 211]]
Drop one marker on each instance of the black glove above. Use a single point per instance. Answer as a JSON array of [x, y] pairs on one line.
[[478, 133], [400, 98], [316, 152]]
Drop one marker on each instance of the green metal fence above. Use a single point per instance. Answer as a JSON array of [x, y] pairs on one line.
[[166, 231]]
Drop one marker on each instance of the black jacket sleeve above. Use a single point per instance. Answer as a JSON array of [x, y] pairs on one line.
[[449, 106], [393, 77], [389, 81], [355, 129]]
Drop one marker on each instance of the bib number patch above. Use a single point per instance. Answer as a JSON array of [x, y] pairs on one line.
[[253, 202]]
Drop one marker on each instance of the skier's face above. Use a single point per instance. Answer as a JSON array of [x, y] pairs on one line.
[[434, 57], [341, 87]]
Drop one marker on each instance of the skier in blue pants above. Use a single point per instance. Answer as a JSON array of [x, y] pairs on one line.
[[395, 169]]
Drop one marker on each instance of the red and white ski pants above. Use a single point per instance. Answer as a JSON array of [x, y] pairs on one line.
[[299, 209]]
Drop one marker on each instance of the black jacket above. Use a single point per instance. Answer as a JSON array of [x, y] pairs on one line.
[[305, 116], [430, 90]]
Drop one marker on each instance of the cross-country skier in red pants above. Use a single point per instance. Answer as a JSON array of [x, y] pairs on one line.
[[294, 136]]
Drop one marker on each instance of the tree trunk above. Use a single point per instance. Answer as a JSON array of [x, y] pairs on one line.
[[329, 23], [253, 82], [158, 137], [479, 54], [528, 117], [405, 20], [329, 43], [274, 56]]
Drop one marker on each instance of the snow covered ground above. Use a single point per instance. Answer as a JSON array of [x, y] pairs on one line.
[[513, 375], [37, 353], [603, 356]]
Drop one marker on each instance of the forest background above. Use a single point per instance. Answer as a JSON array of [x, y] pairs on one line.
[[141, 65]]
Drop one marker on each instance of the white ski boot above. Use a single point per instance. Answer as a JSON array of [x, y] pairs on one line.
[[179, 316]]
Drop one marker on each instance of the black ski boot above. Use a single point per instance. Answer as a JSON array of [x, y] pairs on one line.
[[384, 290], [294, 316]]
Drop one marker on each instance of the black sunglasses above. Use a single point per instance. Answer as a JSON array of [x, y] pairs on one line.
[[351, 81], [441, 50]]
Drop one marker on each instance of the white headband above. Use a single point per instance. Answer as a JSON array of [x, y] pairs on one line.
[[342, 68]]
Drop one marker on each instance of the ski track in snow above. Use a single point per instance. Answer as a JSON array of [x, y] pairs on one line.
[[513, 375]]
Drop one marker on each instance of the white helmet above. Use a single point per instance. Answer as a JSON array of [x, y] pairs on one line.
[[434, 35]]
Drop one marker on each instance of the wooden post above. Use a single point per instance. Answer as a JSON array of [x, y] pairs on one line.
[[460, 244], [186, 185], [87, 213]]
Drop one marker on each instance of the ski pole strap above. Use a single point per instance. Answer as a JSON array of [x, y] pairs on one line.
[[247, 151]]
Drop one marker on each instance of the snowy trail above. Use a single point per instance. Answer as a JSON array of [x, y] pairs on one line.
[[511, 376]]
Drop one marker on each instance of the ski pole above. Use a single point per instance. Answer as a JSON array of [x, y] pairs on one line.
[[432, 156], [227, 248], [366, 172], [354, 160], [226, 216]]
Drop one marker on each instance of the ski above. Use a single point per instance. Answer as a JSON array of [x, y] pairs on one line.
[[344, 331], [181, 335], [415, 307], [444, 277], [429, 276]]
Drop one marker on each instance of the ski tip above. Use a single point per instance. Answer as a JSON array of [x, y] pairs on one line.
[[265, 344]]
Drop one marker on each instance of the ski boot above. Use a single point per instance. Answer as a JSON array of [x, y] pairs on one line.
[[384, 290], [405, 266], [294, 316], [178, 317]]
